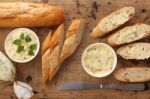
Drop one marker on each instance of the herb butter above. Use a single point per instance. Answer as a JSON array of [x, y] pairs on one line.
[[21, 45], [7, 69], [99, 58]]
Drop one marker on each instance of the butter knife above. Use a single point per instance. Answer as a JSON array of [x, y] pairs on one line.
[[87, 86]]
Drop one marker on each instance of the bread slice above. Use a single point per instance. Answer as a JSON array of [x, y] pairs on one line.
[[46, 64], [129, 34], [113, 21], [51, 56], [56, 45], [133, 74], [46, 43], [73, 38], [139, 51]]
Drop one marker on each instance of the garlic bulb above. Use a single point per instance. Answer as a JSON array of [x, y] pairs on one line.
[[23, 90], [7, 69]]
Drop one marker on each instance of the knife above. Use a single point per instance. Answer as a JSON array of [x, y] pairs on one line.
[[87, 86]]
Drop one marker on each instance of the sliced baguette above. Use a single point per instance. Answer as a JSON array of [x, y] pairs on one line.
[[129, 34], [45, 44], [73, 38], [56, 45], [45, 65], [51, 56], [113, 21], [133, 74], [138, 51]]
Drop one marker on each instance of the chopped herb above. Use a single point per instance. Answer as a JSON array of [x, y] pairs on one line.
[[33, 47], [28, 38], [20, 48], [22, 37], [31, 52], [17, 42]]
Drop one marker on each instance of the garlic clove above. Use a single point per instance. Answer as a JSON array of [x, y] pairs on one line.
[[7, 69], [23, 90]]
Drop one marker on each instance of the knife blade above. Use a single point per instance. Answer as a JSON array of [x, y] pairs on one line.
[[88, 86]]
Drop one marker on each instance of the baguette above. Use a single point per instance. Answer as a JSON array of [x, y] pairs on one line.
[[51, 57], [129, 34], [73, 38], [133, 74], [45, 44], [113, 21], [21, 14], [45, 65], [139, 51], [56, 46]]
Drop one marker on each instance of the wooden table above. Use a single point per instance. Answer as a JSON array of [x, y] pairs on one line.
[[71, 70]]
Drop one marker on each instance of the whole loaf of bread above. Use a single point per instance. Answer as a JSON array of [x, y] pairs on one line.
[[21, 14]]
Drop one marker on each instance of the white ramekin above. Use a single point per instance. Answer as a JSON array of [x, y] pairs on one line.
[[36, 52], [103, 74]]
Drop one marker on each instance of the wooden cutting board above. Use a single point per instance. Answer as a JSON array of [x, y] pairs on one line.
[[71, 70]]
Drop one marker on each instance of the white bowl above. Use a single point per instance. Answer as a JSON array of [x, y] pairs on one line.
[[103, 73], [36, 51]]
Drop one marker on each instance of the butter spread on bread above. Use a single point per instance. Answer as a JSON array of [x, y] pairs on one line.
[[129, 34], [113, 21], [138, 51], [133, 74]]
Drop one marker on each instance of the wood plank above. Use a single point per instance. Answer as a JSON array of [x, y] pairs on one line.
[[71, 69]]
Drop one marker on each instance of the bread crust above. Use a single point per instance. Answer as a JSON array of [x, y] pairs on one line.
[[21, 14], [133, 69], [73, 39], [45, 44], [57, 53], [113, 42], [98, 31], [138, 51], [51, 57], [45, 65]]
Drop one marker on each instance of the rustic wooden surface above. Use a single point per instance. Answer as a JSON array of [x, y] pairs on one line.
[[71, 70]]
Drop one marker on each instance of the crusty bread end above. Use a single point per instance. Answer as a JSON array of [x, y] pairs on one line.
[[139, 51], [73, 38], [133, 74], [113, 21], [129, 34], [45, 44], [50, 58]]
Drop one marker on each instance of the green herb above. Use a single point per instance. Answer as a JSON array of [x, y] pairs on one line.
[[20, 48], [33, 47], [17, 42], [31, 52], [22, 37], [28, 38]]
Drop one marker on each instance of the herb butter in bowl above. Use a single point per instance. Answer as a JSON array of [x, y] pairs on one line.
[[99, 60], [22, 45]]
